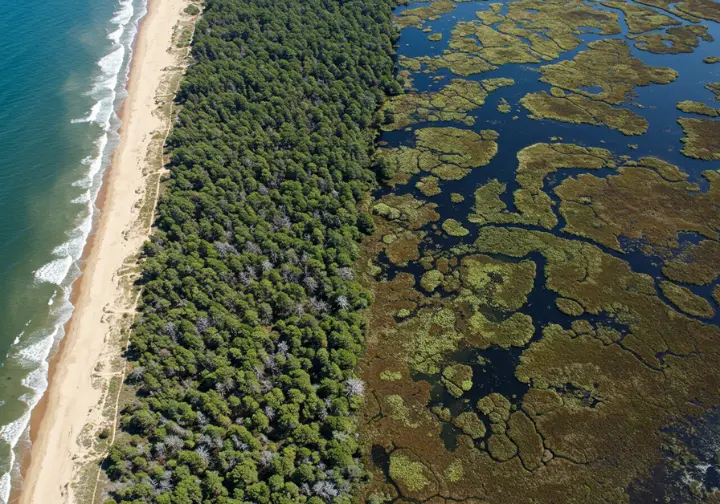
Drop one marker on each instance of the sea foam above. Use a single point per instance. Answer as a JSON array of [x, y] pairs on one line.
[[67, 253], [112, 63], [124, 14], [55, 271], [116, 34]]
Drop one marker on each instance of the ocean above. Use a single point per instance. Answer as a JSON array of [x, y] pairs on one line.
[[63, 68]]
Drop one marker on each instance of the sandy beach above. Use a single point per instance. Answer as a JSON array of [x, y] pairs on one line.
[[85, 374]]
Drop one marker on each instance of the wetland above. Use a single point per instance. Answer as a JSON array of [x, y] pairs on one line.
[[545, 261]]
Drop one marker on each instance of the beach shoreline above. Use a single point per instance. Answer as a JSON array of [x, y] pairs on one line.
[[74, 408]]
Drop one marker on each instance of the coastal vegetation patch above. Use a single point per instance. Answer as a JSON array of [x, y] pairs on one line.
[[451, 103], [429, 186], [416, 17], [579, 109], [533, 206], [503, 106], [606, 208], [641, 19], [702, 138], [454, 228], [686, 301], [699, 108], [696, 264], [447, 153], [714, 88], [530, 31], [608, 66], [401, 230], [690, 10], [674, 40], [459, 63]]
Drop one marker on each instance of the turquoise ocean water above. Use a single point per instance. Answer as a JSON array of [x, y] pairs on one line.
[[63, 68]]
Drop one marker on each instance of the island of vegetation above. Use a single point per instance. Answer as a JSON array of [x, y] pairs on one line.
[[702, 138], [608, 67], [575, 108], [452, 103], [447, 153], [699, 108], [675, 40], [529, 32]]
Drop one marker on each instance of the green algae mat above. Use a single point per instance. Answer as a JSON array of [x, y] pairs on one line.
[[546, 256]]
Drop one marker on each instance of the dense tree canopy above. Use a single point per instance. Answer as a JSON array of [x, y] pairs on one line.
[[248, 333]]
